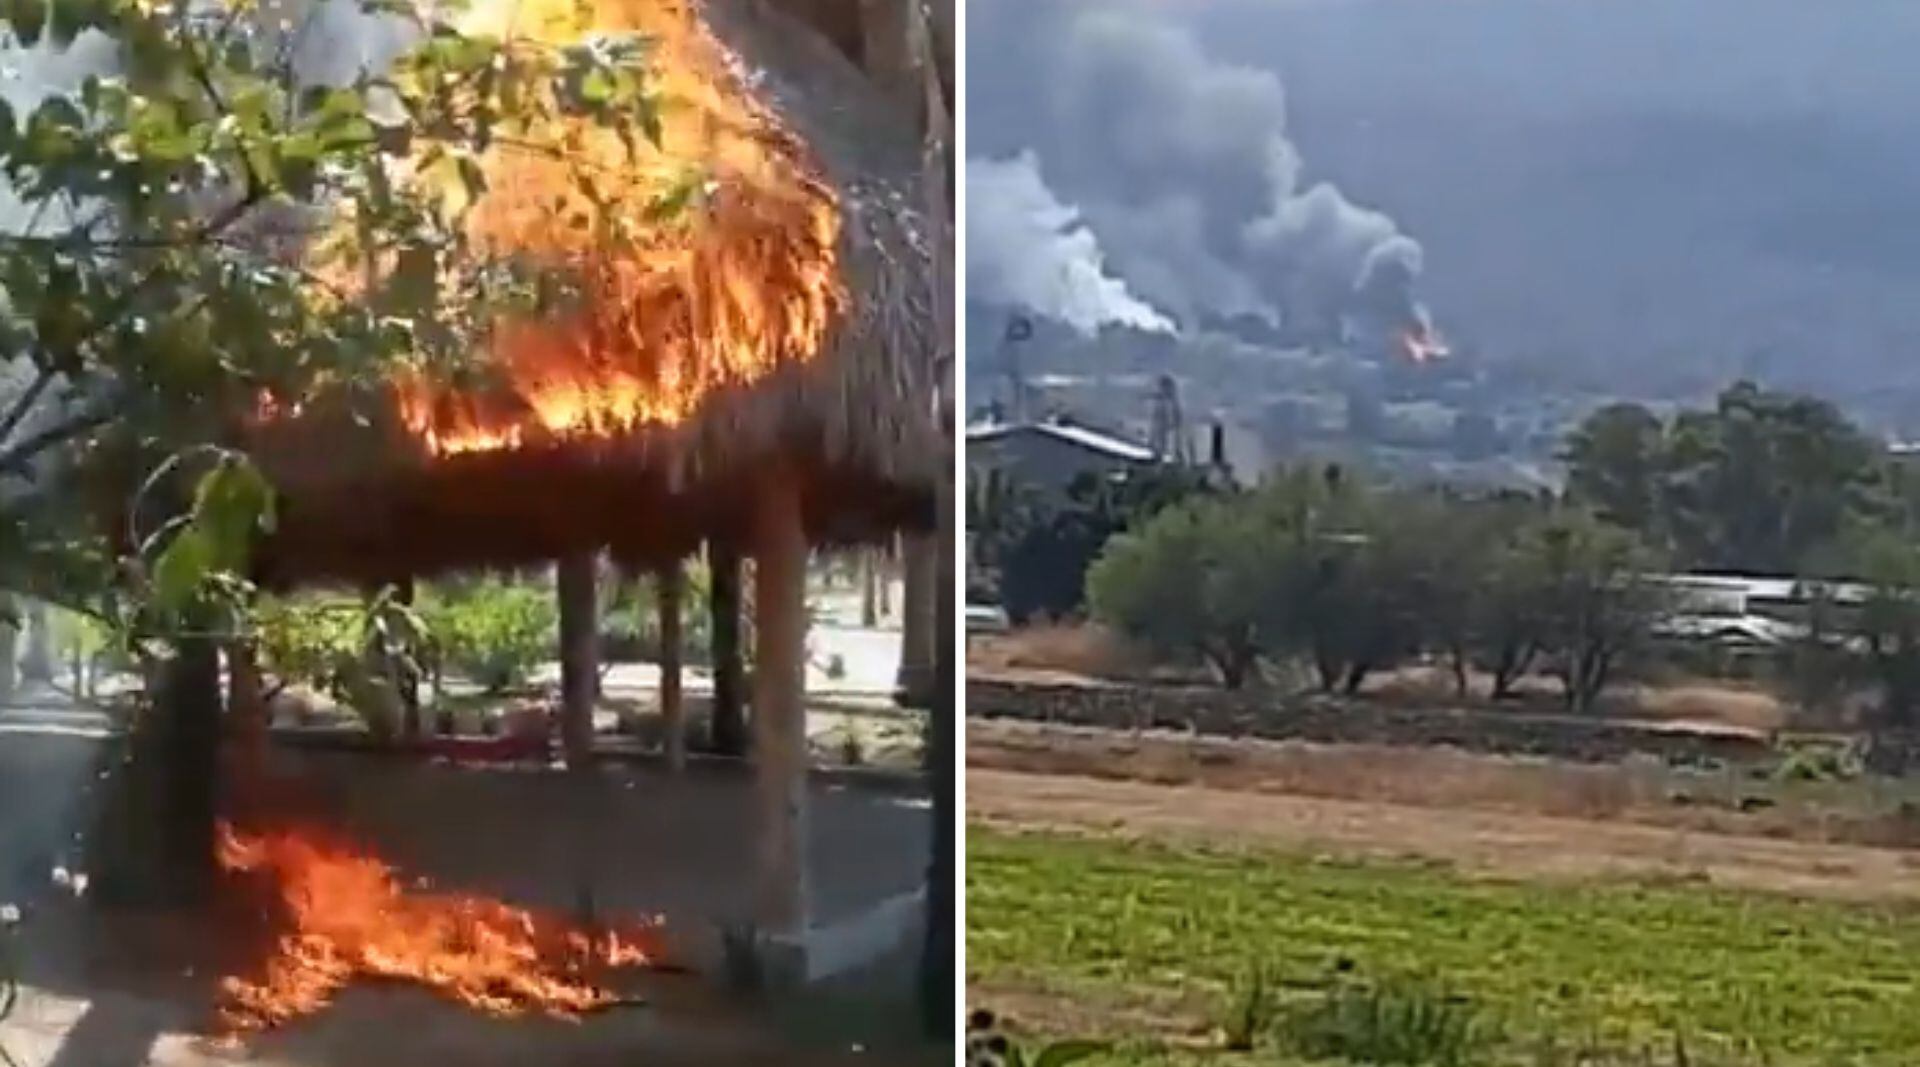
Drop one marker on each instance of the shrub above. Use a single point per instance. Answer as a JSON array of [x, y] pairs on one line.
[[1399, 1022], [493, 632], [1250, 1011], [989, 1045], [630, 624], [309, 640]]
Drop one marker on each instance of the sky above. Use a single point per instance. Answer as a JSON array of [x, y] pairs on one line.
[[1661, 192]]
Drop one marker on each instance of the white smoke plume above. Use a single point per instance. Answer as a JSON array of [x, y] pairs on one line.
[[1185, 173], [1025, 247]]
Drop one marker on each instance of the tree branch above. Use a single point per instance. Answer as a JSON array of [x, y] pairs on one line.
[[24, 403], [16, 459]]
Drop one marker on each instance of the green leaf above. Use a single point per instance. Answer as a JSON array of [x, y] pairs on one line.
[[597, 87], [29, 19], [1061, 1053], [231, 503], [68, 20], [181, 570]]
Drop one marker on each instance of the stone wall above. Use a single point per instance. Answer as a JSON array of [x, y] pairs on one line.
[[1326, 720]]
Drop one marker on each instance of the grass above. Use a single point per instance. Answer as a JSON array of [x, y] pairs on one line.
[[1741, 978]]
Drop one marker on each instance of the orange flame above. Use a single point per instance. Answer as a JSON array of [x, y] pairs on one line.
[[1424, 344], [349, 917], [744, 278]]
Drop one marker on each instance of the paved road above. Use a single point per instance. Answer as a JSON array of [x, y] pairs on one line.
[[41, 709]]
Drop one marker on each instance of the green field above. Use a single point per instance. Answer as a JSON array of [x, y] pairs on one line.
[[1151, 944]]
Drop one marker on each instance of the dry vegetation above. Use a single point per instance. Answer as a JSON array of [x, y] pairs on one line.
[[1089, 652]]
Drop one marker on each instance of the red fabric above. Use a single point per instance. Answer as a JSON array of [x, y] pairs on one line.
[[505, 749]]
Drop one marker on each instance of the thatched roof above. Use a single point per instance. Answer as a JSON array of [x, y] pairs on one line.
[[854, 424]]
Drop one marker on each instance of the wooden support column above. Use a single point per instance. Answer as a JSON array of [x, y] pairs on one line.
[[939, 954], [9, 647], [247, 717], [38, 664], [405, 679], [728, 725], [670, 584], [869, 588], [918, 622], [579, 656], [779, 708]]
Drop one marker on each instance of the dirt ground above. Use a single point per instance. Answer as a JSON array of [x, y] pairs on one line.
[[372, 1027], [1084, 653], [103, 993], [1494, 817]]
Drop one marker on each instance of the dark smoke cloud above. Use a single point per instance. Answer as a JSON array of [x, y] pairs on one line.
[[1182, 166]]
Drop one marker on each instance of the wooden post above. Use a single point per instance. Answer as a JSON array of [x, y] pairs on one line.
[[579, 677], [670, 585], [939, 955], [38, 665], [247, 717], [728, 720], [779, 708], [869, 591], [9, 647], [405, 679], [940, 952], [918, 621]]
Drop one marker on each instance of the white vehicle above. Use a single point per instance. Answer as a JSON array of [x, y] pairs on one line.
[[987, 619]]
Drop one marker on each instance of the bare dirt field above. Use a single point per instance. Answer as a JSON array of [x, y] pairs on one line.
[[1509, 818]]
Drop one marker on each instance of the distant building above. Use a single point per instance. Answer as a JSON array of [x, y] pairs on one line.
[[1050, 455]]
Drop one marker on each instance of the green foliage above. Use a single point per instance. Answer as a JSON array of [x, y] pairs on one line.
[[1587, 581], [1040, 548], [309, 640], [351, 648], [989, 1045], [1761, 483], [1201, 579], [1354, 578], [1888, 625], [1813, 762], [1754, 977], [1252, 1007], [1392, 1022], [630, 621], [494, 632]]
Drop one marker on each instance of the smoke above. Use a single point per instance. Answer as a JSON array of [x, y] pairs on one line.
[[1185, 174], [1025, 247]]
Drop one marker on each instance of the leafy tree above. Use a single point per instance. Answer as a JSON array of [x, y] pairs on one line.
[[1761, 483], [1199, 580], [1889, 623], [1616, 461], [207, 227], [1041, 549], [1595, 604], [494, 632], [1506, 615]]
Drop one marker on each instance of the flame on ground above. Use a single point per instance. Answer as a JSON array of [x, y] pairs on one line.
[[348, 916], [745, 280]]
